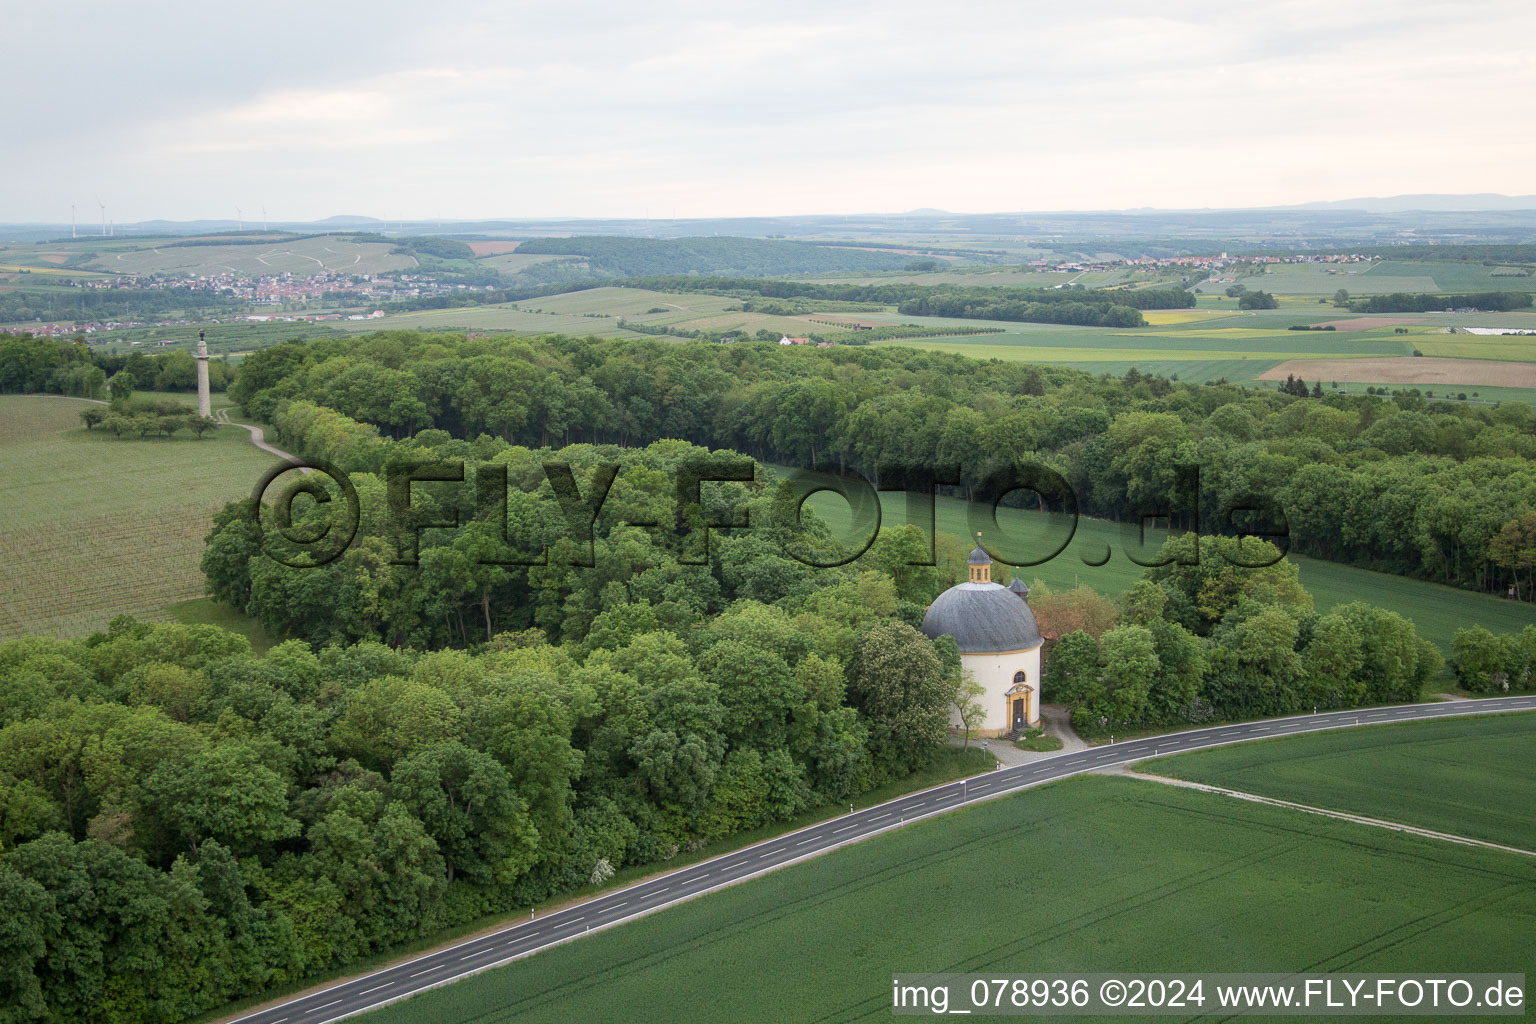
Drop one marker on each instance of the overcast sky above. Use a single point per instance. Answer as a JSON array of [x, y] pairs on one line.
[[663, 109]]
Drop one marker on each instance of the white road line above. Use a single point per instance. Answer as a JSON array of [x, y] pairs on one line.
[[375, 988], [471, 956], [575, 919], [657, 892], [1008, 781]]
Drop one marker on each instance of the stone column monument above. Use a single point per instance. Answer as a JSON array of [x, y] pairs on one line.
[[204, 402]]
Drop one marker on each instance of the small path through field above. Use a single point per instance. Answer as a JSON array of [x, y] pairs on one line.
[[259, 438], [1358, 819]]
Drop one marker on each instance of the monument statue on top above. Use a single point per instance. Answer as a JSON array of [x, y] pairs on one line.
[[204, 402]]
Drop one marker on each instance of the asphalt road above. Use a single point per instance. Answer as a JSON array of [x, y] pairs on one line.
[[444, 966]]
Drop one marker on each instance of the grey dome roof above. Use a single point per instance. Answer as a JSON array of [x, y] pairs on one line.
[[983, 618], [1018, 587], [979, 557]]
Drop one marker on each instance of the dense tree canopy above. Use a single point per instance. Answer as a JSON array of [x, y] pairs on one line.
[[1403, 485]]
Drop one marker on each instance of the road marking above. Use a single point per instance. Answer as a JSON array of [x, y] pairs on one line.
[[575, 919], [810, 840], [471, 956], [770, 853], [375, 988], [919, 803], [661, 890], [1016, 779]]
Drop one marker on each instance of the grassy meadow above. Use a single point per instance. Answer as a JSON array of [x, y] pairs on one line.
[[281, 253], [1474, 777], [596, 311], [1436, 611], [95, 526], [1095, 873], [1385, 276]]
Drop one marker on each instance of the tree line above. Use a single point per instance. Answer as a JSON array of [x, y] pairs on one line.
[[1198, 640], [1429, 302], [39, 365], [183, 823], [1402, 484]]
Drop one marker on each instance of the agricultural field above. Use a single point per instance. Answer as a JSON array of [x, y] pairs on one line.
[[280, 254], [1437, 611], [1099, 873], [596, 311], [224, 339], [1241, 346], [1011, 277], [1473, 777], [1385, 276], [509, 263], [95, 527], [1400, 370]]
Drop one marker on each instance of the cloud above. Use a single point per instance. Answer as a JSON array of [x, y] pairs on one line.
[[719, 108]]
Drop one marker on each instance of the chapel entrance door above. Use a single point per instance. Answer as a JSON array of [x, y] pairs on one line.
[[1018, 712]]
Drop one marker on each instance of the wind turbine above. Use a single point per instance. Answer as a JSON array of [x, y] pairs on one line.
[[239, 219], [263, 218], [72, 233], [103, 216]]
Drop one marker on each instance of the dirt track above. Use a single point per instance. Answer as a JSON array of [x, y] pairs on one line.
[[1408, 370]]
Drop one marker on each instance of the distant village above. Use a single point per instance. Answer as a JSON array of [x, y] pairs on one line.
[[291, 298], [275, 298]]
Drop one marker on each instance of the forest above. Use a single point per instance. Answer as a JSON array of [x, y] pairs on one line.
[[1406, 485], [182, 822], [31, 365], [480, 707]]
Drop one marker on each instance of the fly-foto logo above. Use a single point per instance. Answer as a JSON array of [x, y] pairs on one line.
[[448, 495]]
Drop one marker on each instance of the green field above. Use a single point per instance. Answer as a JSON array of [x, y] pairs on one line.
[[1437, 611], [1217, 341], [280, 254], [1011, 277], [1473, 777], [223, 338], [1384, 276], [95, 527], [1092, 874], [596, 311]]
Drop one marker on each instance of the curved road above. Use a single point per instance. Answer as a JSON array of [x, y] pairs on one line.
[[443, 966]]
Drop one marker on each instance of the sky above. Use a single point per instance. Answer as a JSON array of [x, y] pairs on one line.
[[703, 109]]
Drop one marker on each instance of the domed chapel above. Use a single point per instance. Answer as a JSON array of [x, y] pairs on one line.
[[999, 643]]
